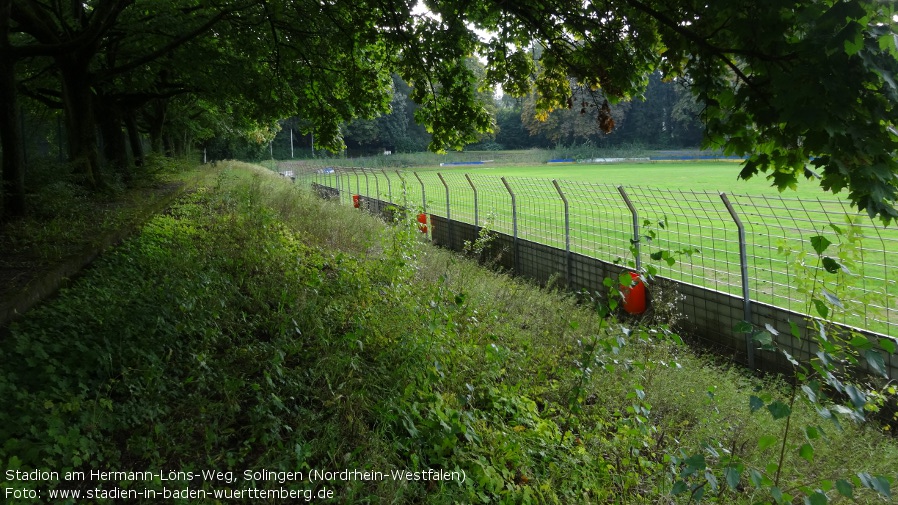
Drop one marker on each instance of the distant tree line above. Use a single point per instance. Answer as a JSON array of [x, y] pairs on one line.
[[666, 116]]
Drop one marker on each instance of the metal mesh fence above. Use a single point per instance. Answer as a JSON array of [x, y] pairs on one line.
[[689, 236], [540, 211], [698, 233], [785, 271], [494, 204], [601, 225]]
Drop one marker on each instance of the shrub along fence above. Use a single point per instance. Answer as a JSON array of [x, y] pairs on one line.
[[768, 260]]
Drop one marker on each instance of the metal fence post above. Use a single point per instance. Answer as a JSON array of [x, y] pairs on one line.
[[339, 176], [448, 215], [743, 262], [358, 185], [404, 188], [514, 226], [402, 206], [476, 209], [389, 186], [423, 194], [568, 274], [367, 187], [635, 239], [376, 185]]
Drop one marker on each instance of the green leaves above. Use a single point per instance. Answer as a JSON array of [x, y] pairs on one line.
[[845, 488], [857, 397], [820, 243], [806, 451], [822, 309], [879, 484], [877, 362], [755, 403], [817, 498], [830, 265], [766, 441], [779, 410], [832, 299], [732, 475]]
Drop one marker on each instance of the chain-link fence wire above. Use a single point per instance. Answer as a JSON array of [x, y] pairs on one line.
[[693, 232], [601, 223], [694, 226], [462, 198], [385, 186], [414, 193], [783, 263], [494, 203], [359, 181], [366, 182], [348, 185], [540, 211], [434, 196]]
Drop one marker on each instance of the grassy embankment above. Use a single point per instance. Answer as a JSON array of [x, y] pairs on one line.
[[254, 327]]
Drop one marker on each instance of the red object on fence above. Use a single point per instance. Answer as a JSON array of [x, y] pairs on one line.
[[355, 201], [634, 295], [422, 218]]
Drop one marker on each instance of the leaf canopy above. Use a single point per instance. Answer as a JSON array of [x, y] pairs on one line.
[[802, 88]]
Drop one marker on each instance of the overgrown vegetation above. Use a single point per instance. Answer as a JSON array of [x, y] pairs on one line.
[[255, 327], [65, 219]]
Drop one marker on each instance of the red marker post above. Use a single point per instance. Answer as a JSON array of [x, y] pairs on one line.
[[422, 218], [634, 295]]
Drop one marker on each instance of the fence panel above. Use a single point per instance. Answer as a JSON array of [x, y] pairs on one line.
[[601, 223], [540, 211], [461, 198], [435, 192], [780, 236], [494, 203], [683, 222], [780, 259]]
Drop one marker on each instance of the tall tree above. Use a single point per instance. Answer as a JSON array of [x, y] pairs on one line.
[[587, 116], [511, 133]]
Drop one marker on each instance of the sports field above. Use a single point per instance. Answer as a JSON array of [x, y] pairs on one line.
[[678, 203], [691, 176]]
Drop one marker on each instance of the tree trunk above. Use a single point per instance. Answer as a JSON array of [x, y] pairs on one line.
[[156, 120], [169, 146], [114, 147], [80, 122], [134, 138], [12, 192]]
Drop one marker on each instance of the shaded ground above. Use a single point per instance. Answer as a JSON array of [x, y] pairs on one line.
[[65, 230]]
